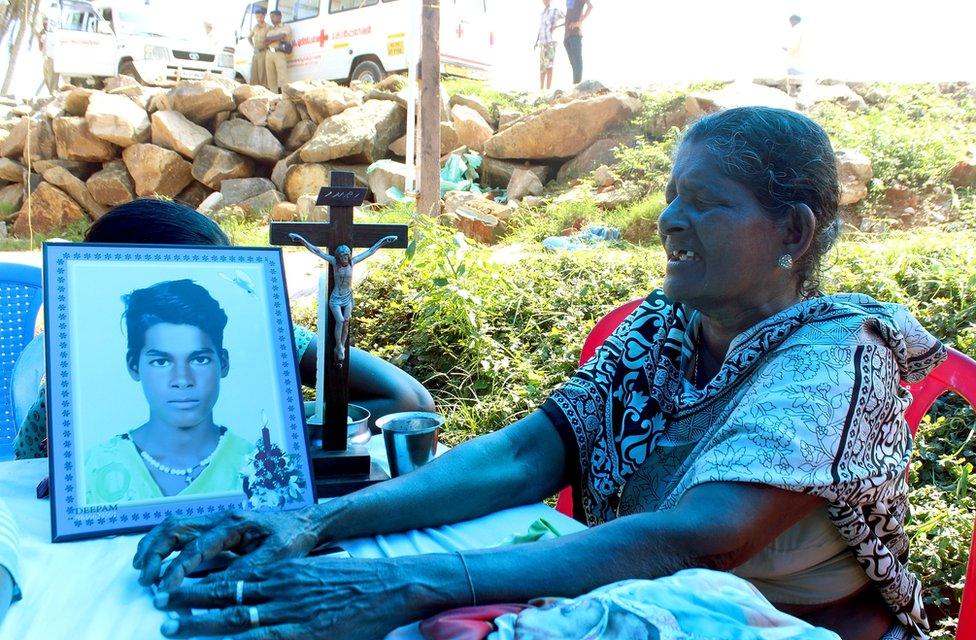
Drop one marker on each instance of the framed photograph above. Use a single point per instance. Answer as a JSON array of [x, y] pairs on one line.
[[173, 386]]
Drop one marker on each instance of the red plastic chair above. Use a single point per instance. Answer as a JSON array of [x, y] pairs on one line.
[[957, 374]]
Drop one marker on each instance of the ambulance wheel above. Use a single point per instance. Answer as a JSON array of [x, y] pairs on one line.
[[128, 68], [367, 72]]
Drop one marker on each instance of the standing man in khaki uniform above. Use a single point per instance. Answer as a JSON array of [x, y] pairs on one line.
[[51, 79], [258, 35], [279, 46]]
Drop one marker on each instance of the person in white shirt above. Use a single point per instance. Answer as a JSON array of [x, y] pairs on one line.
[[794, 56], [545, 42]]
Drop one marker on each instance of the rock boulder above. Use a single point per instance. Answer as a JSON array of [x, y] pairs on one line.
[[256, 109], [237, 190], [330, 100], [854, 172], [41, 144], [562, 131], [157, 171], [449, 141], [201, 100], [11, 170], [524, 183], [476, 103], [361, 134], [13, 144], [249, 140], [51, 209], [599, 153], [61, 178], [112, 185], [498, 173], [75, 141], [283, 116], [212, 165], [963, 174], [383, 175], [301, 134], [117, 119], [472, 130], [11, 197], [172, 130]]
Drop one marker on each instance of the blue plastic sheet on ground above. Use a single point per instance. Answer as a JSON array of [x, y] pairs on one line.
[[460, 173], [586, 238]]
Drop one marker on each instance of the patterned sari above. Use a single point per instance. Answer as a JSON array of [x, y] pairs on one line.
[[808, 400]]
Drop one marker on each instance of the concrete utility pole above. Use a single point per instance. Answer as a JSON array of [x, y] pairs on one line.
[[430, 109]]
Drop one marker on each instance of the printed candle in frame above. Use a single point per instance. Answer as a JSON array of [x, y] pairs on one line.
[[173, 387]]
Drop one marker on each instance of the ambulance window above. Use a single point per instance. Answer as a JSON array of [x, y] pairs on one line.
[[294, 10], [79, 21], [335, 6]]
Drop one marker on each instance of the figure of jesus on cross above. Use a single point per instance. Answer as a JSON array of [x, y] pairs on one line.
[[333, 242], [340, 300]]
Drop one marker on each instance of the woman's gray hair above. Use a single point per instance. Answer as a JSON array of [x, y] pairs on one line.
[[784, 158]]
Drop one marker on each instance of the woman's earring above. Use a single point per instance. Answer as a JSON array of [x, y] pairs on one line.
[[785, 262]]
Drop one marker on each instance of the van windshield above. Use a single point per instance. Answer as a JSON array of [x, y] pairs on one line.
[[135, 23]]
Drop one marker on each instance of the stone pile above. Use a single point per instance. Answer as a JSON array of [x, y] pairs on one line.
[[221, 146]]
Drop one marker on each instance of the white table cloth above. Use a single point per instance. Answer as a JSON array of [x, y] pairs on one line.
[[87, 590]]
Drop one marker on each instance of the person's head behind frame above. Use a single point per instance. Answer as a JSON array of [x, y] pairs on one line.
[[175, 349], [156, 221]]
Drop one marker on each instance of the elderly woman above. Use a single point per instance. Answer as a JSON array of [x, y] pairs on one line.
[[737, 421]]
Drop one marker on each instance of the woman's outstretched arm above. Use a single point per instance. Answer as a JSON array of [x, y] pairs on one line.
[[520, 464]]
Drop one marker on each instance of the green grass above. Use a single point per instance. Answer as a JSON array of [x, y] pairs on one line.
[[507, 100]]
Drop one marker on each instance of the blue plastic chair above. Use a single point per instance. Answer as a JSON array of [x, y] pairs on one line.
[[20, 300]]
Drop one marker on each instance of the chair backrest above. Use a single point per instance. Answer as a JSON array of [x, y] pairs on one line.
[[26, 379], [20, 299], [957, 374]]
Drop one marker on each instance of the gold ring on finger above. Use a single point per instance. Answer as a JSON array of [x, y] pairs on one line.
[[252, 612]]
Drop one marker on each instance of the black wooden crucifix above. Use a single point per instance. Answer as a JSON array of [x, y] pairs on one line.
[[333, 387]]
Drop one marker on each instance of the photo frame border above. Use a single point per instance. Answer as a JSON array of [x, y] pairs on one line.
[[73, 521]]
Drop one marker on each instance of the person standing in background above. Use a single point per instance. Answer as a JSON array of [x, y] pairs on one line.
[[577, 11], [51, 79], [794, 56], [546, 43], [278, 41], [257, 38]]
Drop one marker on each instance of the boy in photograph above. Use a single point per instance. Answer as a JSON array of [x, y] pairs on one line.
[[175, 335], [545, 42]]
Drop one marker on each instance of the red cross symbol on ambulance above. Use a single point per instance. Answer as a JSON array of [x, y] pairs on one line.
[[323, 38]]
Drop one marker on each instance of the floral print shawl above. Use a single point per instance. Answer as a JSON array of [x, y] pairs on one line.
[[808, 400]]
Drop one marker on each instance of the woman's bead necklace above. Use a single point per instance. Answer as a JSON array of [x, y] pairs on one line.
[[187, 473]]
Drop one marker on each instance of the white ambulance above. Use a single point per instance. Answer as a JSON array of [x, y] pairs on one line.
[[365, 40], [99, 39]]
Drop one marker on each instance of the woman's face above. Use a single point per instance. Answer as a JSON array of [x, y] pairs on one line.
[[180, 371], [721, 246]]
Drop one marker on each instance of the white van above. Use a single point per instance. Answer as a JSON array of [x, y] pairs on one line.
[[99, 39], [364, 40]]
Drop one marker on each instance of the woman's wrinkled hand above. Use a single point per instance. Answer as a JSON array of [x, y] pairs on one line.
[[306, 598], [257, 537]]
